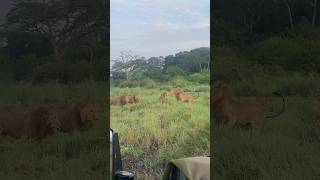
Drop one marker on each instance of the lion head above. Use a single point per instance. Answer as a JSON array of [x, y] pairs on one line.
[[220, 91], [88, 111], [43, 121], [179, 90], [134, 98]]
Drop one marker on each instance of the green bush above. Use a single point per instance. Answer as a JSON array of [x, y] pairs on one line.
[[299, 85], [180, 81], [201, 78], [290, 54], [68, 72], [129, 84], [148, 83]]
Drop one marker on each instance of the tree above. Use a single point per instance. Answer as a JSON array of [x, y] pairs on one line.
[[314, 5], [65, 23], [127, 63]]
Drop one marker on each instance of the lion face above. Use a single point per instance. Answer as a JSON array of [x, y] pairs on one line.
[[88, 111], [43, 121], [220, 91], [53, 123], [179, 90], [136, 97]]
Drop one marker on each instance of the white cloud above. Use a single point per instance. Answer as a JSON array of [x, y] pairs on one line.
[[154, 27]]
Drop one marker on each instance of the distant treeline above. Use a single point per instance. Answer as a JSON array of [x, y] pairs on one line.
[[160, 69], [62, 40], [274, 33]]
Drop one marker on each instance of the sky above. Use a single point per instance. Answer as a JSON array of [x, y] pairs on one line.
[[152, 28]]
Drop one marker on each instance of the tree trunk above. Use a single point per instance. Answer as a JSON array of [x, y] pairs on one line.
[[56, 52], [127, 74], [314, 5], [315, 11], [289, 14]]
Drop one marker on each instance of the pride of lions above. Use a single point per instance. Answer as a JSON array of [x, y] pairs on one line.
[[236, 114], [43, 120], [135, 97]]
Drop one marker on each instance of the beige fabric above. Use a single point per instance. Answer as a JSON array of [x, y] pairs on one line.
[[195, 168]]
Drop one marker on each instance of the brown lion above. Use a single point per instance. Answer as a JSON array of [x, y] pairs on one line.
[[37, 123], [134, 98], [120, 100], [237, 114], [115, 100], [82, 115], [162, 97], [182, 96]]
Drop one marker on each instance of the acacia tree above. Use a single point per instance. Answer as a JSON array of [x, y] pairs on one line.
[[128, 63]]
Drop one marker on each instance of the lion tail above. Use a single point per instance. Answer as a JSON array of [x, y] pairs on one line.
[[283, 106]]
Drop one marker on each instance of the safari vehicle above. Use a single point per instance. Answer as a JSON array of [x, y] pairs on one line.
[[193, 168]]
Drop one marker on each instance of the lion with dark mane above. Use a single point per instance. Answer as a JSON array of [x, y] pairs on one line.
[[82, 115]]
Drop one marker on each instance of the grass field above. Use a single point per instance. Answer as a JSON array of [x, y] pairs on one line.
[[152, 133], [62, 156], [287, 149]]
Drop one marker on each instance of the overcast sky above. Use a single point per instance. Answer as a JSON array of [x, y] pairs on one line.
[[159, 27]]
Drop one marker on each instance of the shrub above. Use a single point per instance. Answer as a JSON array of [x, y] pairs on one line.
[[129, 84], [148, 83], [180, 81], [68, 72], [202, 78]]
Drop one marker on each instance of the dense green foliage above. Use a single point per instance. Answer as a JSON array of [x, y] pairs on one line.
[[163, 69], [260, 47], [54, 40]]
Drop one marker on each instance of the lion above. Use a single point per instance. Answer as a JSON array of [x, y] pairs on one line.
[[39, 122], [82, 115], [237, 114], [115, 100], [134, 98], [123, 99], [182, 96], [43, 122], [162, 97], [179, 90]]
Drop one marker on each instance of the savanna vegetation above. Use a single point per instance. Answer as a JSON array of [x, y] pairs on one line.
[[151, 132], [54, 53], [259, 47]]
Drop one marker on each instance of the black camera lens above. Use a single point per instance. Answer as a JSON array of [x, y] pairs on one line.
[[124, 175]]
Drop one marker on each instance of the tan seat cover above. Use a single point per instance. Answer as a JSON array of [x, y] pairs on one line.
[[195, 168]]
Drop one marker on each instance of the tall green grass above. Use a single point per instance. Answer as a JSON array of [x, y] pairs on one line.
[[152, 133], [289, 146], [287, 149], [61, 156]]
